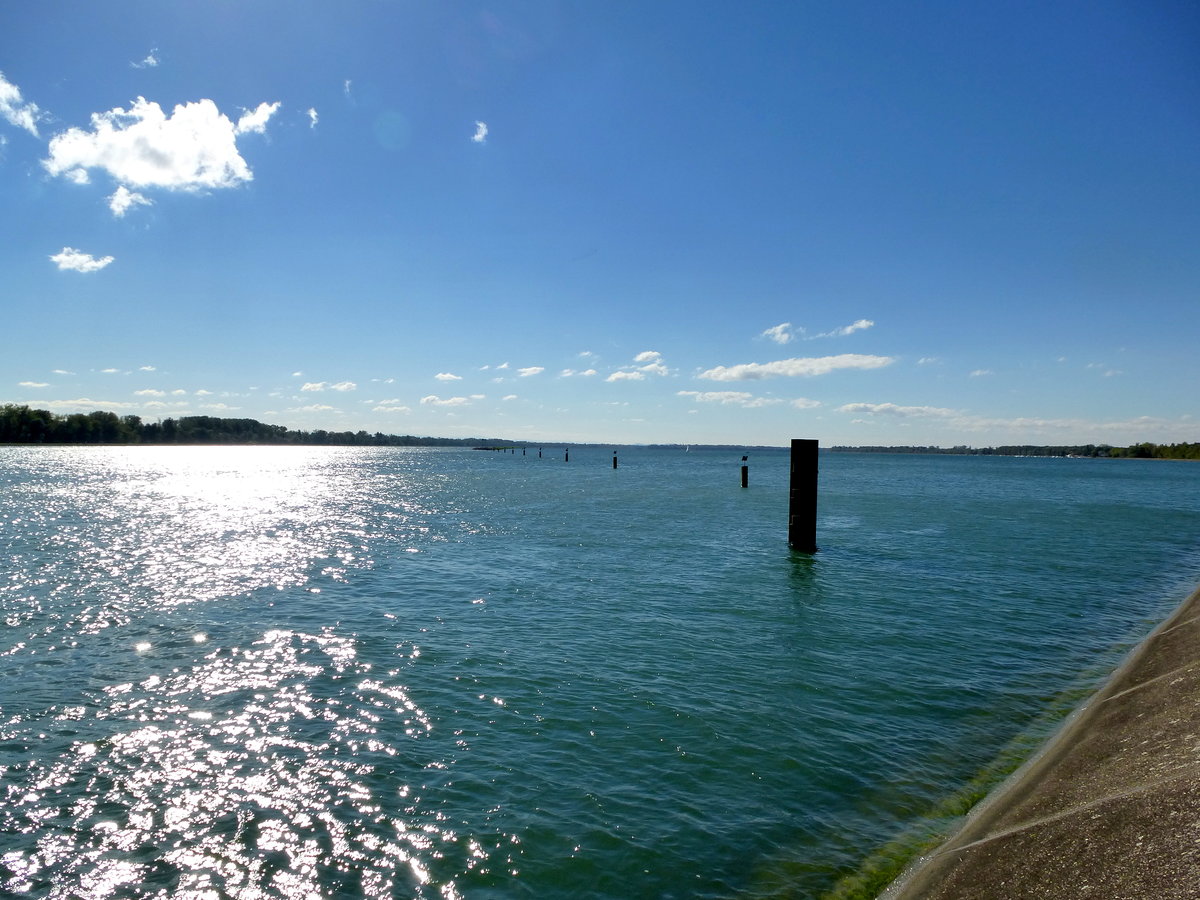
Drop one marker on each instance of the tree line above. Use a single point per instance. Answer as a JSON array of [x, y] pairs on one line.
[[1135, 451], [22, 425]]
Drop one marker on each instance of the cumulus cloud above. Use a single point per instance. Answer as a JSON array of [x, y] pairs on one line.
[[149, 62], [315, 407], [626, 376], [531, 370], [32, 384], [254, 121], [192, 149], [15, 110], [727, 398], [149, 392], [327, 386], [77, 261], [780, 334], [123, 199], [509, 397], [435, 400], [147, 368], [447, 376], [724, 397], [391, 406], [805, 403], [904, 412], [61, 372], [569, 373], [481, 133], [799, 366]]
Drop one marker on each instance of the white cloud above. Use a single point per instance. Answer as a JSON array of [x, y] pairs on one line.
[[312, 117], [61, 372], [392, 406], [979, 373], [149, 62], [648, 356], [219, 407], [626, 376], [800, 366], [123, 199], [192, 149], [77, 261], [203, 393], [109, 371], [531, 370], [147, 368], [149, 392], [509, 397], [315, 407], [904, 412], [180, 392], [481, 133], [254, 121], [724, 397], [928, 361], [346, 87], [780, 334], [435, 400], [32, 384], [85, 404], [16, 111], [805, 403], [568, 373], [447, 376], [327, 386], [860, 325]]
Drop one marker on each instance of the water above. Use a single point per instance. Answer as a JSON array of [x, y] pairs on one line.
[[331, 672]]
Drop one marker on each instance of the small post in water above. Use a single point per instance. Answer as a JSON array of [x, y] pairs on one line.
[[802, 500], [745, 473], [566, 454], [614, 459]]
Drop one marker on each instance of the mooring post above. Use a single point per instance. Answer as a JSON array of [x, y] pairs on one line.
[[539, 452], [566, 454], [614, 459], [802, 500], [745, 473]]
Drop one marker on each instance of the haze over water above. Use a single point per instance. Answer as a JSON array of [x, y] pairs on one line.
[[280, 672]]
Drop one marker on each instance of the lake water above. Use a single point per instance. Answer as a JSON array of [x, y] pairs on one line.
[[333, 672]]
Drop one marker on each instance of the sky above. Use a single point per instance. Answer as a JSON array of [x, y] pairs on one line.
[[866, 223]]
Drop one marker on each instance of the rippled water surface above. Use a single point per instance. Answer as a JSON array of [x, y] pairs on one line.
[[321, 672]]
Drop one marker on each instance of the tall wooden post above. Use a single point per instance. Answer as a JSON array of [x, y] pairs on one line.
[[614, 459], [745, 473], [802, 500]]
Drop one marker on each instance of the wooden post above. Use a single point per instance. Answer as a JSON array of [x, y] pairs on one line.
[[802, 500], [566, 454], [614, 459], [745, 473]]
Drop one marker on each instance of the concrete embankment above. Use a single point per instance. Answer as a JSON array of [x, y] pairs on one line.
[[1110, 810]]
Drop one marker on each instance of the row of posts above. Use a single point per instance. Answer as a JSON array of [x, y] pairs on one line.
[[802, 491]]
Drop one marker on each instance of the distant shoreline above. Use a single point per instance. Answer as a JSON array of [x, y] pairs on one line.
[[21, 425]]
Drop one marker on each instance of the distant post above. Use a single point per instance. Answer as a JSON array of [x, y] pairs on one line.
[[745, 473], [614, 459], [566, 454], [802, 500]]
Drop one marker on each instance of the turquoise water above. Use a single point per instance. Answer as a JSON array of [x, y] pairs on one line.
[[301, 672]]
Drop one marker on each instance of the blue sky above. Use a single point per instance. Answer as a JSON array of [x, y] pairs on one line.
[[865, 223]]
